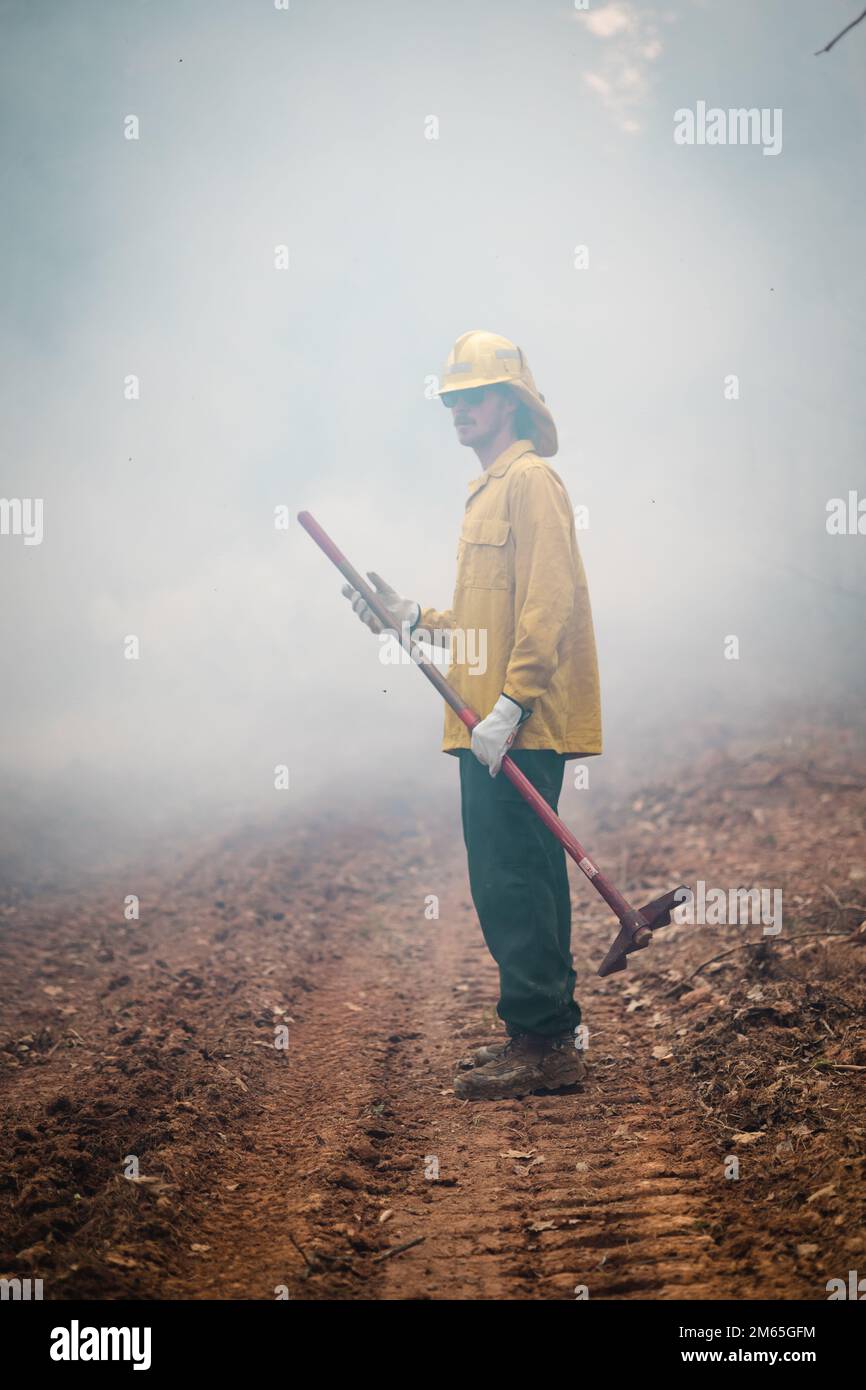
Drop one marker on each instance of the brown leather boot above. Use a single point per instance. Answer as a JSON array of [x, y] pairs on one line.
[[528, 1063]]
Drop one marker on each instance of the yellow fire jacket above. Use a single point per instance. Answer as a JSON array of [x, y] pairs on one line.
[[521, 621]]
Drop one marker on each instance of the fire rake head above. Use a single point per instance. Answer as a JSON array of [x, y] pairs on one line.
[[637, 927]]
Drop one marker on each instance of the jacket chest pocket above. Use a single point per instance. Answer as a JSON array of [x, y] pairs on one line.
[[484, 555]]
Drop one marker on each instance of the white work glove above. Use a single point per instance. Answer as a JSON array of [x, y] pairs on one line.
[[403, 610], [492, 738]]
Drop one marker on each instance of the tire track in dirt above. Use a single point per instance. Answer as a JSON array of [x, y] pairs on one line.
[[609, 1194], [605, 1198]]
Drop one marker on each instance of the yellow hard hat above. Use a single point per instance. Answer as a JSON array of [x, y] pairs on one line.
[[479, 358]]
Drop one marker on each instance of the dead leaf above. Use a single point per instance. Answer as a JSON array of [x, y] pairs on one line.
[[747, 1136]]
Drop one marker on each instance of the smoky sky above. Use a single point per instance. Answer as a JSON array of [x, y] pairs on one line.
[[430, 169]]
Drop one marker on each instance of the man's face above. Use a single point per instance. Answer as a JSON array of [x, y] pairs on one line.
[[480, 414]]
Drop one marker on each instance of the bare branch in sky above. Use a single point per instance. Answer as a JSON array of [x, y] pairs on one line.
[[841, 34]]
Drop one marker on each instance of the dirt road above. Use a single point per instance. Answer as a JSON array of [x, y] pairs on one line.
[[159, 1144]]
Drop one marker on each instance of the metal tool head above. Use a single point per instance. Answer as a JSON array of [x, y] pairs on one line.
[[637, 927]]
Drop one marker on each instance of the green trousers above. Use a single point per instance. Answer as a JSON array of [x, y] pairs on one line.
[[519, 886]]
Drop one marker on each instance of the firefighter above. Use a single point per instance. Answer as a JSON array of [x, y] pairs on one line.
[[520, 579]]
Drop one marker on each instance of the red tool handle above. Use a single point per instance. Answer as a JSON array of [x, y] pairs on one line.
[[463, 711]]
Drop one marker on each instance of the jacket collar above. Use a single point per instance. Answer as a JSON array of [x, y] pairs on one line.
[[501, 466]]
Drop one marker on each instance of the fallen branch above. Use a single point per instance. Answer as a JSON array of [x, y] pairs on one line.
[[744, 945], [320, 1262], [307, 1262], [838, 1066], [843, 907], [398, 1249]]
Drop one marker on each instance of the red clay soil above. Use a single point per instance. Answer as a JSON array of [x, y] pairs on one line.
[[343, 1167]]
